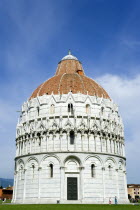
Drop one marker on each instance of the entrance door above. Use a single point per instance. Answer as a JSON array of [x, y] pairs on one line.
[[72, 193]]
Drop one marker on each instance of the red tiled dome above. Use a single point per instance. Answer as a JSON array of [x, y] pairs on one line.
[[70, 77]]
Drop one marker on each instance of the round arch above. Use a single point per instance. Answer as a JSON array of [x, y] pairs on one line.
[[30, 159], [20, 161], [111, 158], [47, 156], [72, 157], [94, 156]]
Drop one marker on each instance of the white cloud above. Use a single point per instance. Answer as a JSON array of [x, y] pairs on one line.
[[126, 93], [131, 43]]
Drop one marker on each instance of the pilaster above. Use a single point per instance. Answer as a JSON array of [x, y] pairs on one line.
[[24, 189]]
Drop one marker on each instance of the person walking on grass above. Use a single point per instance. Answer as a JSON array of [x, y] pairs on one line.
[[116, 202]]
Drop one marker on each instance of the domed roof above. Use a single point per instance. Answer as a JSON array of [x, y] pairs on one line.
[[69, 57], [70, 77]]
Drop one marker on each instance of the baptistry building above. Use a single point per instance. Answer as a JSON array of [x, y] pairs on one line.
[[70, 142]]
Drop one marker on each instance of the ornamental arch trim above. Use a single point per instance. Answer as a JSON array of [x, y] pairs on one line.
[[32, 158], [122, 161], [94, 156], [20, 161], [113, 160], [47, 156], [73, 157]]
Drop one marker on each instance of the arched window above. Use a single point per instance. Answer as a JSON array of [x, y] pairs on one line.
[[38, 110], [120, 166], [52, 109], [88, 110], [33, 170], [39, 138], [21, 173], [51, 170], [110, 171], [72, 136], [70, 108], [102, 109], [92, 170]]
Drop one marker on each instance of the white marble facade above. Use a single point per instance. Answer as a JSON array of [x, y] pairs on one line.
[[69, 135]]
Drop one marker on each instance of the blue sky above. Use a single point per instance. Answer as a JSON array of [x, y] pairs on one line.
[[103, 34]]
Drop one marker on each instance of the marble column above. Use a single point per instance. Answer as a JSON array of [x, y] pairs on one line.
[[103, 182], [47, 142], [16, 149], [60, 137], [30, 146], [125, 185], [88, 141], [117, 183], [82, 140], [14, 188], [95, 143], [101, 143], [39, 171], [75, 142], [16, 191], [54, 137], [111, 146], [24, 189], [62, 181], [67, 140], [106, 144], [123, 150], [81, 192], [19, 148]]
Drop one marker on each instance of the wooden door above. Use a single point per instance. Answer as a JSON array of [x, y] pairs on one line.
[[72, 193]]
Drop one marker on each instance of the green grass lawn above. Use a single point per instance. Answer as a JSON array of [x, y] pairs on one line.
[[7, 201], [68, 207]]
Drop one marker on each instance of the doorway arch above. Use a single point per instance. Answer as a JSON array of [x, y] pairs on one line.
[[72, 186]]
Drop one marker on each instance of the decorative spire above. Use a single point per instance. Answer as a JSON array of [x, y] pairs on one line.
[[69, 52]]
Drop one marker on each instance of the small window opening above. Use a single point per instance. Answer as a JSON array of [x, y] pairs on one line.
[[104, 134], [88, 109], [98, 133], [39, 142], [33, 169], [110, 171], [38, 110], [52, 109], [80, 72], [102, 109], [38, 134], [51, 170], [92, 170], [70, 108], [72, 136]]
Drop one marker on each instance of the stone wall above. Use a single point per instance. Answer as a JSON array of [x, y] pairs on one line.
[[72, 135], [34, 184]]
